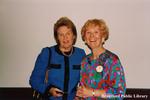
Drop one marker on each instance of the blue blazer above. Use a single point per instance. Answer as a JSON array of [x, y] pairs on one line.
[[64, 72]]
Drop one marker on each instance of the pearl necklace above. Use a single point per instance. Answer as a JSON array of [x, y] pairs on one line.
[[69, 54]]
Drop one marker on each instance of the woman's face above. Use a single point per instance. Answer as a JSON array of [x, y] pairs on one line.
[[93, 36], [65, 37]]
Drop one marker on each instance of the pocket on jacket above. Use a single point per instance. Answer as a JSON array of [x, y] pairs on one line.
[[55, 66], [76, 67]]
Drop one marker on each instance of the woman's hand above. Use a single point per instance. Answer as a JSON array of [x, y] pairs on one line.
[[56, 92], [84, 91]]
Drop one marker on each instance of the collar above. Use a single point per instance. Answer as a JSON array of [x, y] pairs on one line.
[[59, 52]]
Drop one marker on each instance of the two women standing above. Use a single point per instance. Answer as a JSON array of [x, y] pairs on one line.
[[101, 72]]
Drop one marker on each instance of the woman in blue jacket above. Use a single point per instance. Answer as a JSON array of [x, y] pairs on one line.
[[63, 62]]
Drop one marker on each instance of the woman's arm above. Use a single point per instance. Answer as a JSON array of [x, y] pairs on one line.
[[85, 91], [115, 83], [37, 77]]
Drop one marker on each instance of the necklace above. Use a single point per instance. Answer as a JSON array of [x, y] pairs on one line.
[[68, 55]]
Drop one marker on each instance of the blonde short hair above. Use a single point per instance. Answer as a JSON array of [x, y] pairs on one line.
[[96, 22]]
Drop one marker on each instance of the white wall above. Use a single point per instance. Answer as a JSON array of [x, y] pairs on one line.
[[27, 25]]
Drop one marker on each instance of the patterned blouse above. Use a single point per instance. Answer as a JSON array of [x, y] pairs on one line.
[[105, 72]]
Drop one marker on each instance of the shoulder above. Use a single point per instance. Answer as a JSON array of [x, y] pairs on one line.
[[78, 49], [86, 58], [46, 50], [113, 58], [111, 55], [49, 49]]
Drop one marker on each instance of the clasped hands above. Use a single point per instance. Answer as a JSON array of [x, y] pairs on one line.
[[84, 91]]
